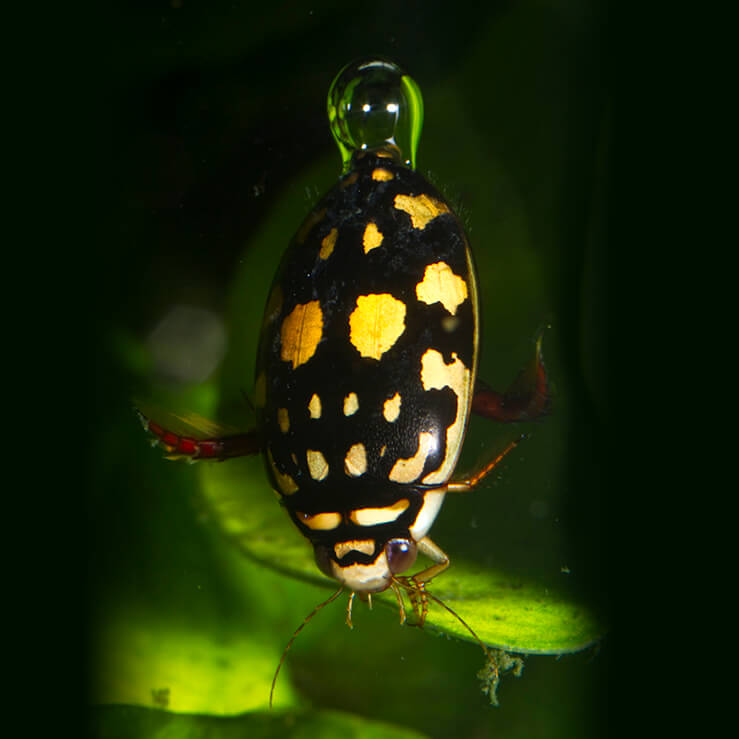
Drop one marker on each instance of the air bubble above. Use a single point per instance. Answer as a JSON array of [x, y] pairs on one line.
[[374, 106]]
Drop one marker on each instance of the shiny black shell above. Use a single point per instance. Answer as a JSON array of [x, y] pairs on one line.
[[362, 348]]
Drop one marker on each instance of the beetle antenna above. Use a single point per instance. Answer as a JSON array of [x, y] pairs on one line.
[[463, 622], [294, 636], [490, 673]]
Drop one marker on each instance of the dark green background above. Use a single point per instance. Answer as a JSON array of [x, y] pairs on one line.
[[213, 113]]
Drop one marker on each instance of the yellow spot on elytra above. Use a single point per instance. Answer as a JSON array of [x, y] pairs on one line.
[[311, 220], [274, 305], [317, 464], [283, 420], [351, 404], [376, 516], [328, 244], [421, 208], [285, 483], [450, 323], [441, 285], [408, 470], [382, 175], [314, 407], [300, 333], [372, 237], [436, 375], [260, 390], [350, 179], [376, 324], [391, 408], [366, 546], [320, 521], [355, 462], [383, 449], [432, 500]]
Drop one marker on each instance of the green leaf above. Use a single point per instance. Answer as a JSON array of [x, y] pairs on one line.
[[505, 611], [145, 658], [134, 722]]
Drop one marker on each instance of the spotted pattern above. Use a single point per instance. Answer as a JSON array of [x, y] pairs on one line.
[[350, 179], [382, 175], [369, 346], [421, 208], [320, 521], [351, 404], [328, 244], [436, 375], [301, 332], [314, 406], [377, 516], [376, 324], [285, 483], [274, 304], [317, 465], [432, 500], [441, 285], [450, 323], [391, 408], [409, 470], [355, 462], [365, 546], [312, 220], [372, 237], [283, 420]]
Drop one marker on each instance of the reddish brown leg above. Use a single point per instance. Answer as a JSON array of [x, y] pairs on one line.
[[472, 481], [415, 585], [525, 400], [178, 446]]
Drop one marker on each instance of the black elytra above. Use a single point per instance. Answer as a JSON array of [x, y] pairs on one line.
[[329, 267]]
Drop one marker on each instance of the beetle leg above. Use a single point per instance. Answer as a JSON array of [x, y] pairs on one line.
[[527, 399], [349, 611], [419, 601], [416, 593], [396, 589], [471, 482], [436, 554], [415, 584], [218, 448]]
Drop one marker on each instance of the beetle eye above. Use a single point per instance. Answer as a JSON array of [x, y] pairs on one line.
[[401, 554], [323, 559]]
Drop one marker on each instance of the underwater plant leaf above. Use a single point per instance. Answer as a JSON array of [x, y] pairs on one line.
[[505, 610], [510, 613], [136, 722], [148, 658]]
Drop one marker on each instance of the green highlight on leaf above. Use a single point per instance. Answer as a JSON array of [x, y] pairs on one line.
[[135, 722], [148, 661], [506, 611]]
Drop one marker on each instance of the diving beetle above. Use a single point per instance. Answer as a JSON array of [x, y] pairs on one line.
[[367, 364]]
